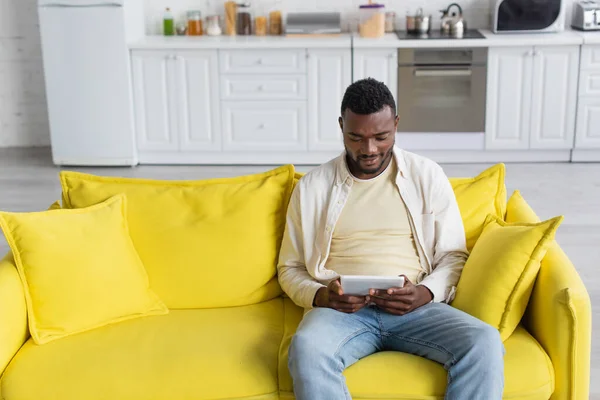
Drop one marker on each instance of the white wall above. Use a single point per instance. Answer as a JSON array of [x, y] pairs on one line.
[[23, 116]]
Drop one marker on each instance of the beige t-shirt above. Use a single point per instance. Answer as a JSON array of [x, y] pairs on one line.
[[373, 234]]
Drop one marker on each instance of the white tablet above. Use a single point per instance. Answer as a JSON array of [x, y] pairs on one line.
[[359, 285]]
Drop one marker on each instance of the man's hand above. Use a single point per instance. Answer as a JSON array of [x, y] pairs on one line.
[[332, 296], [402, 300]]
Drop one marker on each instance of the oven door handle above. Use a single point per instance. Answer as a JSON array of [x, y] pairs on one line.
[[443, 72]]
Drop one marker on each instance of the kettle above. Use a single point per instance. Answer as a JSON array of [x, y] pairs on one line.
[[454, 25]]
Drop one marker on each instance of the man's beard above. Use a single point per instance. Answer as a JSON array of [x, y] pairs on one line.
[[372, 170]]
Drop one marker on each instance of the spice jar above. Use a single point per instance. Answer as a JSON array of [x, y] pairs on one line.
[[390, 21], [260, 25], [213, 27], [275, 20], [244, 19], [371, 20], [194, 27]]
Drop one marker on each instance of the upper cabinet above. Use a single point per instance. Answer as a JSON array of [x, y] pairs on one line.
[[380, 64], [176, 100], [531, 97], [329, 74]]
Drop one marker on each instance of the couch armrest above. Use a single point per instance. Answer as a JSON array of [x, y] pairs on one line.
[[559, 317], [13, 312]]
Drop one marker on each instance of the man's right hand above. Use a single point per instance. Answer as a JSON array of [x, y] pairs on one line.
[[333, 296]]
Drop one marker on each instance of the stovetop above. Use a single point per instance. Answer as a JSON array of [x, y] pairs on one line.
[[436, 34]]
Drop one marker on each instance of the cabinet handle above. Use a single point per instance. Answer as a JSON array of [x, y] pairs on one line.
[[261, 88], [261, 126], [259, 61], [529, 53], [537, 53]]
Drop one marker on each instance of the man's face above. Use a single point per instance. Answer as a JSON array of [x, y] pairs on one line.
[[369, 141]]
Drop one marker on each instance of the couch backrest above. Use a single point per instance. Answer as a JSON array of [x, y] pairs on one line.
[[206, 243]]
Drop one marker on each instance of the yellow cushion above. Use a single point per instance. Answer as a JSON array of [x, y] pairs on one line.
[[227, 353], [393, 375], [206, 243], [498, 277], [79, 269], [478, 197], [517, 209]]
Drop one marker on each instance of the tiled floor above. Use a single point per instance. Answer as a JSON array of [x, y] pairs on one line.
[[29, 181]]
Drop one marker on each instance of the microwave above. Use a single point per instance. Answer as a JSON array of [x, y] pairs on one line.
[[525, 16]]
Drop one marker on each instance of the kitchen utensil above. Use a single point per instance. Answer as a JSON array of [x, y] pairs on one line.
[[586, 15], [453, 24], [418, 23]]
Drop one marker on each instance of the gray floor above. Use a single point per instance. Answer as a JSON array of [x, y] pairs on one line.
[[29, 181]]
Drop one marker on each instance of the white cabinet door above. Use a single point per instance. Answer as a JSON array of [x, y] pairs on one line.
[[264, 126], [199, 127], [555, 78], [329, 74], [509, 90], [380, 64], [588, 124], [154, 100]]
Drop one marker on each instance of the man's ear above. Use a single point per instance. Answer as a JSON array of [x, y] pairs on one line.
[[341, 122]]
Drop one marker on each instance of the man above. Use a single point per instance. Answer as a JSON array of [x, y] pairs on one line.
[[379, 210]]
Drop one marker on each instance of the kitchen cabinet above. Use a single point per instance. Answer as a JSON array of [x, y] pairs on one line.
[[588, 123], [587, 134], [176, 100], [380, 64], [508, 98], [154, 101], [329, 74], [531, 98], [264, 126], [555, 75]]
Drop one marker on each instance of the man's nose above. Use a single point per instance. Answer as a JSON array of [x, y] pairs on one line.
[[369, 147]]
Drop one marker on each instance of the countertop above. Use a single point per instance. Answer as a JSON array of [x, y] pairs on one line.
[[491, 39], [390, 40], [241, 42], [590, 37]]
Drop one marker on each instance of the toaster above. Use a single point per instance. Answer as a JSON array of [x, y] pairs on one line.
[[586, 15]]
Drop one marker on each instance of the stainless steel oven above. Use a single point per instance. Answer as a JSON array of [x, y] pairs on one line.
[[442, 89]]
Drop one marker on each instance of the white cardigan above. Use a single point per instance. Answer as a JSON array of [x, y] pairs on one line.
[[317, 202]]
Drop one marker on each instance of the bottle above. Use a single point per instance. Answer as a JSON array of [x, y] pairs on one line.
[[168, 23], [195, 27]]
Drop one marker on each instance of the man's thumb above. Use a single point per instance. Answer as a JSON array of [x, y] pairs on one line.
[[336, 287]]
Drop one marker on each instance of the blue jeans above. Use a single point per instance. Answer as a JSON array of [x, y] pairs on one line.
[[328, 341]]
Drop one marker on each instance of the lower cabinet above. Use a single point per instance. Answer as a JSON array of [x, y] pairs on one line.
[[176, 100]]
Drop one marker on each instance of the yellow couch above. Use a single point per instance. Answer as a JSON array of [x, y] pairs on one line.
[[237, 349]]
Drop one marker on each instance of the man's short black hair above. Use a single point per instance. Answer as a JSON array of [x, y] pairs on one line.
[[367, 96]]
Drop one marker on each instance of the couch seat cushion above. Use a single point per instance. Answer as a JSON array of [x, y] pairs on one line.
[[189, 354], [392, 375]]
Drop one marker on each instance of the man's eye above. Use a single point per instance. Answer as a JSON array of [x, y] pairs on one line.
[[355, 139], [381, 139]]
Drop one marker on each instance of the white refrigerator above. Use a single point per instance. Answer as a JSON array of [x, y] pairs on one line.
[[88, 79]]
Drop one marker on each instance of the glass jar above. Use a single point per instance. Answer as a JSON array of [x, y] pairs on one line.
[[244, 19], [371, 20], [390, 21], [194, 27], [275, 20], [213, 26]]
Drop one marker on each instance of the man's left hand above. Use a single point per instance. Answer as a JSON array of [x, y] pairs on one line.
[[402, 300]]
